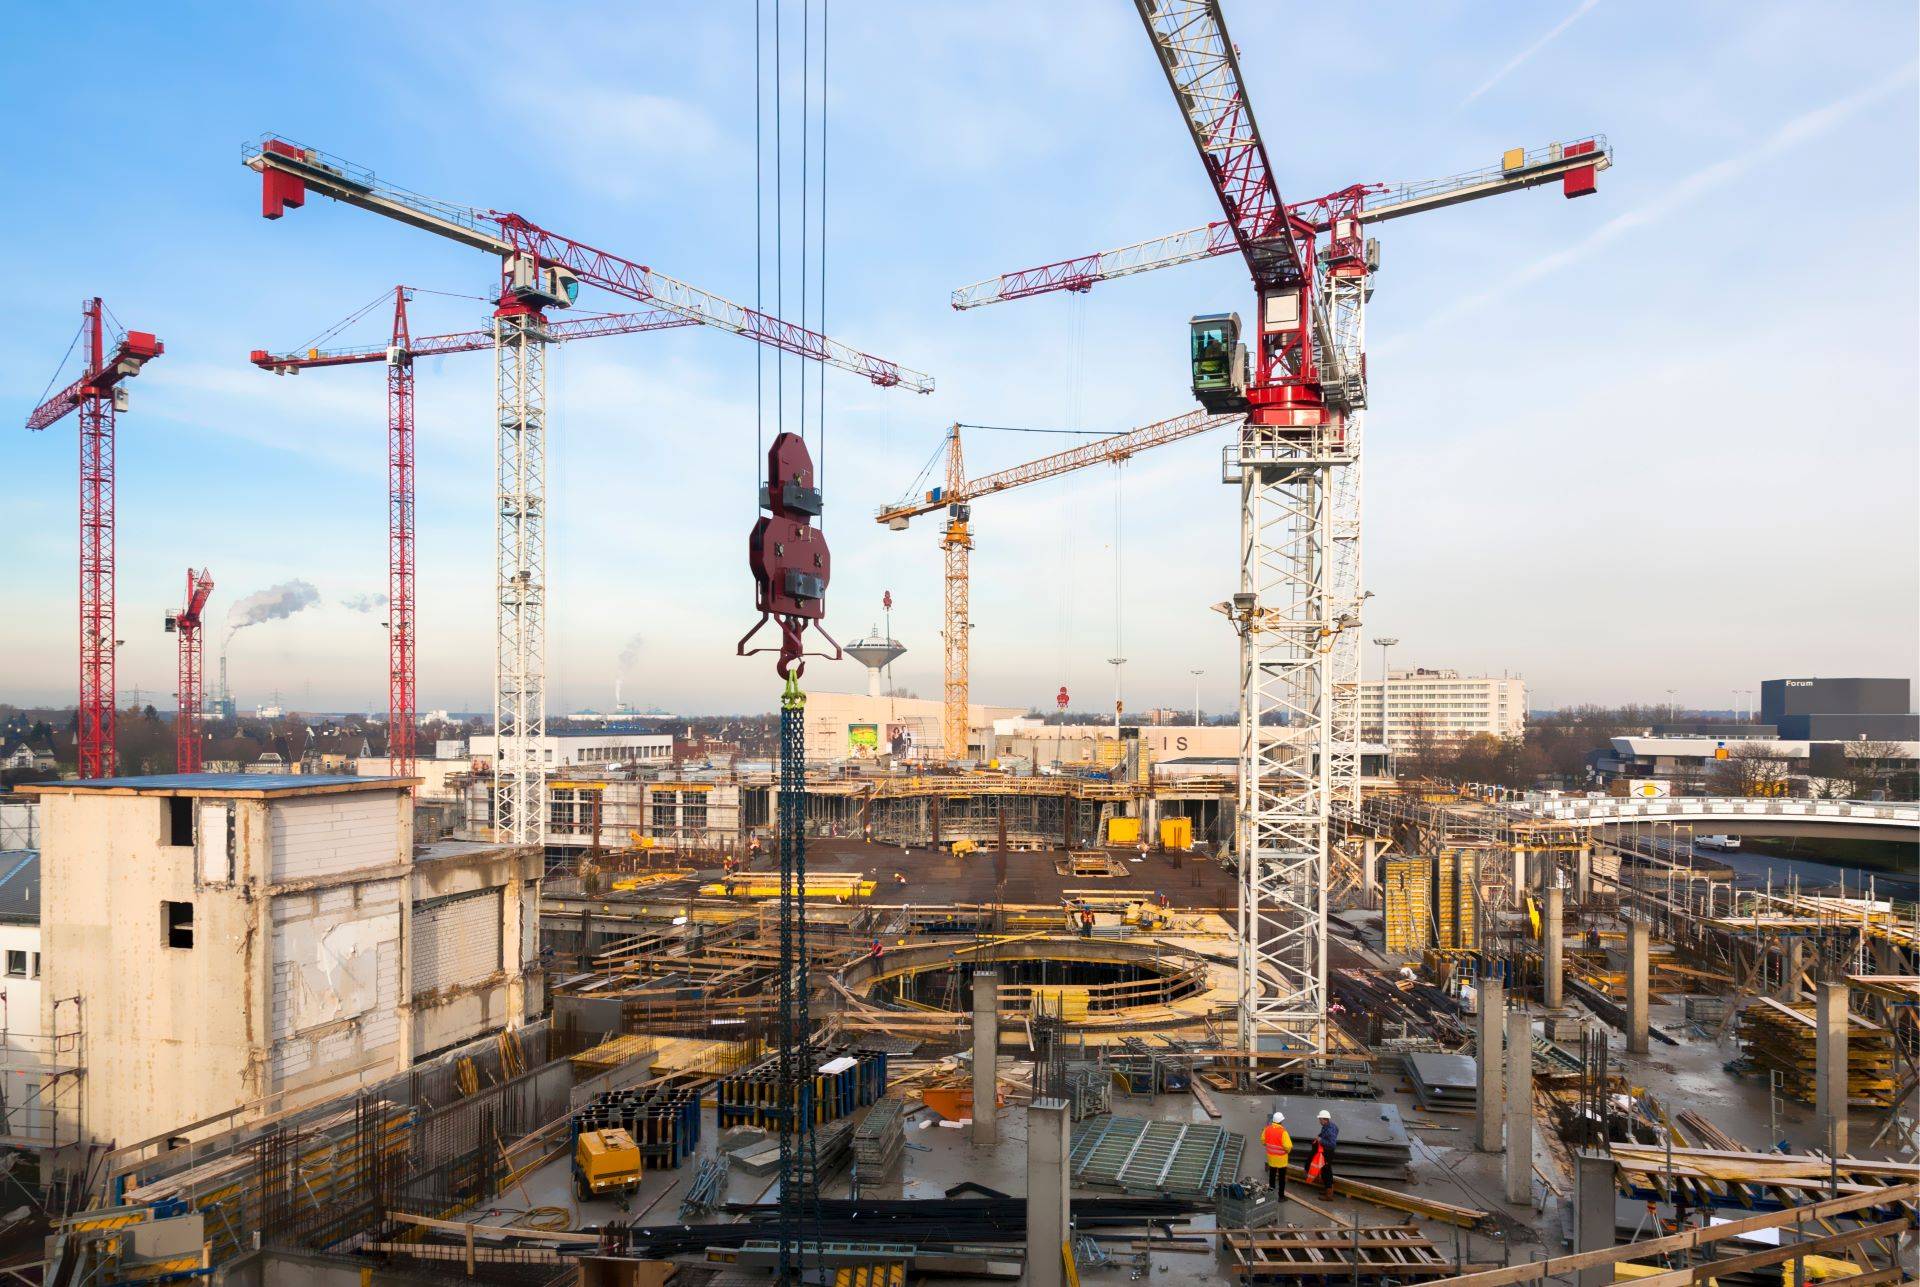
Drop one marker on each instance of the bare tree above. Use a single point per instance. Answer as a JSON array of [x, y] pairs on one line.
[[1751, 768], [1870, 764]]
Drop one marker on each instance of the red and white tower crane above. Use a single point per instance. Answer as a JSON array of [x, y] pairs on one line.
[[398, 355], [539, 270], [188, 701], [97, 396], [1296, 466]]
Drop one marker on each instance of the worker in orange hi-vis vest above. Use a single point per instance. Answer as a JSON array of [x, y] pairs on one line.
[[1278, 1145]]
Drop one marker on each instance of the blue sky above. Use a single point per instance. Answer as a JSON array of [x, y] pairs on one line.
[[1660, 438]]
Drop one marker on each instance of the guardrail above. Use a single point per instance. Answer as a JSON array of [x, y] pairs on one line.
[[1905, 815]]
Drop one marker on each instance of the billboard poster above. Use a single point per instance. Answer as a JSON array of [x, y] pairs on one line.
[[863, 739], [900, 741]]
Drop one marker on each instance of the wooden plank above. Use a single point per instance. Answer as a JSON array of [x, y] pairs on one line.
[[494, 1230], [1560, 1266], [1206, 1100], [1395, 1200], [1772, 1255]]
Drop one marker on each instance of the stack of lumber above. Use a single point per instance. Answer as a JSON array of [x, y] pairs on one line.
[[1780, 1037], [1730, 1178]]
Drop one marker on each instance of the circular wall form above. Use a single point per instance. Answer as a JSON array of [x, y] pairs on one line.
[[1091, 983]]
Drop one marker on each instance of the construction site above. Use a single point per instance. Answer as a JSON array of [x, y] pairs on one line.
[[939, 992]]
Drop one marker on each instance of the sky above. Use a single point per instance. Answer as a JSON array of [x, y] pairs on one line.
[[1660, 440]]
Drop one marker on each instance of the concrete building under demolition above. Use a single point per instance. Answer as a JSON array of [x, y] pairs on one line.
[[214, 944]]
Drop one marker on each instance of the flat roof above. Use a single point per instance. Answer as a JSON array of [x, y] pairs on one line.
[[244, 785]]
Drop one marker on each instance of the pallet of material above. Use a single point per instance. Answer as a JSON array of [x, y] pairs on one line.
[[1780, 1037], [880, 1138], [1409, 911], [1365, 1253], [1444, 1083], [610, 1054]]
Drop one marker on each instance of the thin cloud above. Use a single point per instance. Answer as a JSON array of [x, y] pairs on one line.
[[1801, 129], [1521, 58]]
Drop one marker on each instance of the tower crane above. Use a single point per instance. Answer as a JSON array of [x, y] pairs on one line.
[[398, 355], [957, 499], [1296, 467], [187, 709], [97, 395], [539, 270], [1348, 264]]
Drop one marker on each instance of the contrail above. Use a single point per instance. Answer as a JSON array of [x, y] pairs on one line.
[[271, 604], [1518, 59], [1801, 129]]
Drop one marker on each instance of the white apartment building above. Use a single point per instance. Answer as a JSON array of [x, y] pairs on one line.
[[1441, 705], [599, 749]]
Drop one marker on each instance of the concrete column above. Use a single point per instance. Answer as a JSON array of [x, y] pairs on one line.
[[1519, 876], [1793, 963], [1519, 1107], [1370, 867], [1583, 873], [1830, 1062], [1049, 1147], [1593, 1214], [1554, 949], [1639, 969], [986, 1057], [1493, 1003]]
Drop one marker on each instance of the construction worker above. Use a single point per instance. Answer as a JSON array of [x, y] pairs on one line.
[[1324, 1144], [1086, 921], [1278, 1145]]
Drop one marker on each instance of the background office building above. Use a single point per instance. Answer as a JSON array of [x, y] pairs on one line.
[[1840, 710], [1441, 706]]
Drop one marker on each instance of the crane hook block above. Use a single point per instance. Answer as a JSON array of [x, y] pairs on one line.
[[788, 555]]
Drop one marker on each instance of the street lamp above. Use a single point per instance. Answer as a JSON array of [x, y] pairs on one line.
[[1116, 663], [1196, 695], [1385, 642]]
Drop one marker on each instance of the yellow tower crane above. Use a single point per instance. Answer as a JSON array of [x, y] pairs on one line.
[[957, 499]]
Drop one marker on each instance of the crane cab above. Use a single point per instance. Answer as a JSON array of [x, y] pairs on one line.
[[1219, 362]]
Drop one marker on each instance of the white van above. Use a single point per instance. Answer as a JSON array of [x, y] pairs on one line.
[[1722, 843]]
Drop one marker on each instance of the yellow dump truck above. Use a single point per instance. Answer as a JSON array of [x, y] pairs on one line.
[[605, 1162]]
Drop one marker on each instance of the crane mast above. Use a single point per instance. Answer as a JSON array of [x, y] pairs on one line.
[[1283, 608], [399, 355], [1297, 467], [539, 270], [189, 705], [97, 396]]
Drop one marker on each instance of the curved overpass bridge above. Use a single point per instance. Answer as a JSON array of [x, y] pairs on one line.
[[1734, 816]]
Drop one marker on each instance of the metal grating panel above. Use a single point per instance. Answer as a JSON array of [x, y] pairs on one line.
[[456, 940]]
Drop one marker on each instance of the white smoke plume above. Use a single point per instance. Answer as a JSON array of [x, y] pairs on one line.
[[363, 602], [271, 604], [630, 655]]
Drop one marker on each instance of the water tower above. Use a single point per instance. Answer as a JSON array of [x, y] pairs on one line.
[[876, 652]]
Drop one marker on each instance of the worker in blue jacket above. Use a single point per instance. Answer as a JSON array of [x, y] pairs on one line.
[[1327, 1141]]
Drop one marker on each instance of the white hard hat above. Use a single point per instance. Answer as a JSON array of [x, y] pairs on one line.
[[1325, 1116], [1279, 1117]]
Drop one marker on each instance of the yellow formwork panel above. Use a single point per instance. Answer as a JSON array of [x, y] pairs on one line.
[[1123, 831]]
